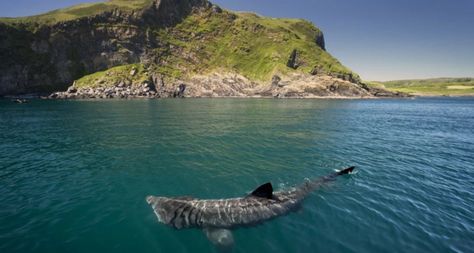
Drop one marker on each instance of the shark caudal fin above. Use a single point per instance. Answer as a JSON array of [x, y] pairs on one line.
[[345, 171]]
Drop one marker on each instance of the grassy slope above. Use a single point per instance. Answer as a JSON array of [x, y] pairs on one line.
[[433, 87], [254, 46], [114, 76]]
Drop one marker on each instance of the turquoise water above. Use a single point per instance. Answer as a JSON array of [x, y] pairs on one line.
[[74, 174]]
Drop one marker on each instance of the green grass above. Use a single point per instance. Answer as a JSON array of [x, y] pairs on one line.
[[254, 46], [113, 76], [78, 11], [434, 87], [374, 84]]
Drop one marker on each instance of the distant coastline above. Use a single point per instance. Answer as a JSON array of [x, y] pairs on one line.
[[434, 87]]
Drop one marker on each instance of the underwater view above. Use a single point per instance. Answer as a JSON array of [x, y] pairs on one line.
[[74, 175]]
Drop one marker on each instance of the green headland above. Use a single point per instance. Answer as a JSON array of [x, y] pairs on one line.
[[160, 45]]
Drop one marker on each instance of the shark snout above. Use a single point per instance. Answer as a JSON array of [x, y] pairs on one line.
[[159, 207], [149, 199]]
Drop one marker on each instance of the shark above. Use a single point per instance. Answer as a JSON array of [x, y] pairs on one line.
[[218, 217]]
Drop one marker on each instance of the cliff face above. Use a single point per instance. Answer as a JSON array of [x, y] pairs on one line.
[[172, 40]]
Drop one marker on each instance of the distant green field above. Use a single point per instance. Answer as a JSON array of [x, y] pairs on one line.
[[432, 87], [78, 11]]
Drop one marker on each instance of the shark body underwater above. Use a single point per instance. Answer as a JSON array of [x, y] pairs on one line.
[[217, 217]]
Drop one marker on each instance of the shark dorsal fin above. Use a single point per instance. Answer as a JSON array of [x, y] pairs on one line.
[[263, 191]]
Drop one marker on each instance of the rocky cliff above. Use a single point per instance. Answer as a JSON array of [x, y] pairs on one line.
[[166, 48]]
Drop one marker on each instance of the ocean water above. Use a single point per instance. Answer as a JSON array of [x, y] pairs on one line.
[[74, 174]]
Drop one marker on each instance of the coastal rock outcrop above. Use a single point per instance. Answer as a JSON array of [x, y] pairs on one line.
[[145, 90], [229, 85]]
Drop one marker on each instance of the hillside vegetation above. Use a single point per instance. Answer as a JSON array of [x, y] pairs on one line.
[[253, 46], [96, 43]]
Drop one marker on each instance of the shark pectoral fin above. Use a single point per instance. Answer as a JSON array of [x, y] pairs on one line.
[[263, 191], [298, 208], [220, 237]]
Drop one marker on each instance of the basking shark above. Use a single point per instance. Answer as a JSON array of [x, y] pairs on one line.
[[217, 217]]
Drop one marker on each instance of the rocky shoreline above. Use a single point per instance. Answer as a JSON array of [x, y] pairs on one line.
[[228, 85]]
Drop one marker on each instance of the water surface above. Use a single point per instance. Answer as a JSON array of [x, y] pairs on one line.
[[74, 174]]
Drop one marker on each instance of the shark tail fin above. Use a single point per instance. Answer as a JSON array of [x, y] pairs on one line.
[[345, 171]]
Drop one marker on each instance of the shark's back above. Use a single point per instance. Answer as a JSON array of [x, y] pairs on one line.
[[219, 213]]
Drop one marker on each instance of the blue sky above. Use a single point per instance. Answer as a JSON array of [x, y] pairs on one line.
[[379, 39]]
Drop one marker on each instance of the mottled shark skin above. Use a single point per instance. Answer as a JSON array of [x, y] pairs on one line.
[[221, 215]]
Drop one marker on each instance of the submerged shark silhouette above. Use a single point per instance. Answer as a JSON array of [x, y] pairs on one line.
[[218, 216]]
